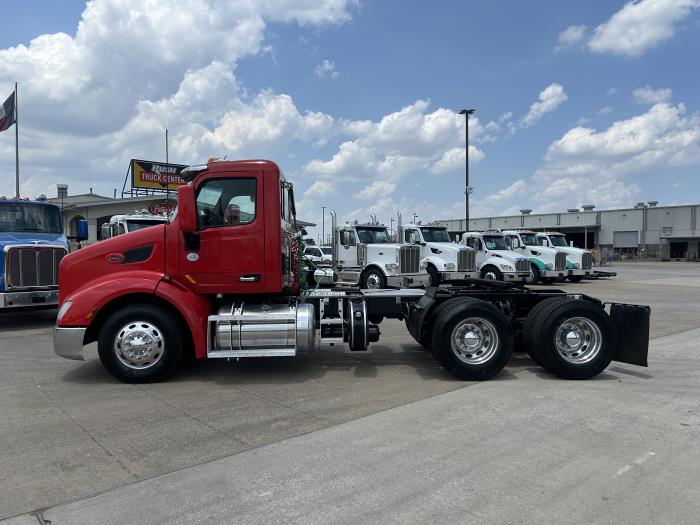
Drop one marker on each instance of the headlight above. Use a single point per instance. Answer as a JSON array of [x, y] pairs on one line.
[[577, 265], [449, 267], [391, 267], [64, 308], [506, 267], [550, 266], [423, 265]]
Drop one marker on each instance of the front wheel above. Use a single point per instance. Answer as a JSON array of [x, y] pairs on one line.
[[491, 273], [373, 279], [140, 343], [472, 339], [534, 276], [572, 338]]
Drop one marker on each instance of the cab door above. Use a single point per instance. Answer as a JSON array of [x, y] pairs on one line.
[[227, 252], [346, 247]]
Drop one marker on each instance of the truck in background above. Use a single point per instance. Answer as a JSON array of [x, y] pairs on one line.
[[443, 260], [546, 264], [32, 245], [494, 259], [582, 259], [126, 223], [364, 256], [218, 287]]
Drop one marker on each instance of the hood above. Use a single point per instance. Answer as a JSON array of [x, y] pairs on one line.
[[507, 254], [545, 249], [9, 238]]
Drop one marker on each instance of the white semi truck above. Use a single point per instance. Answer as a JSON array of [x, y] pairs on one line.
[[546, 264], [125, 223], [364, 256], [443, 260], [494, 259], [582, 260]]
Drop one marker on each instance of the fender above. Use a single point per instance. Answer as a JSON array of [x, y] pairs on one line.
[[378, 266], [438, 262], [91, 298], [194, 308], [540, 265]]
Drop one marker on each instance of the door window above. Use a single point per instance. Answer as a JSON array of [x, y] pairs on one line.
[[226, 202]]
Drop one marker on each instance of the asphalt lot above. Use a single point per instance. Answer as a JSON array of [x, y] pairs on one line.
[[383, 436]]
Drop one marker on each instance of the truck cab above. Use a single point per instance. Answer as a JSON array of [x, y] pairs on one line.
[[546, 264], [581, 260], [32, 245], [364, 255], [494, 259], [444, 261], [121, 224]]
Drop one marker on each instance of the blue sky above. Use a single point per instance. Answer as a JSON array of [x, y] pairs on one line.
[[576, 102]]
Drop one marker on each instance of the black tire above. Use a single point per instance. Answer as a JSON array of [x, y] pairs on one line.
[[534, 277], [424, 339], [370, 277], [435, 276], [575, 278], [375, 318], [528, 325], [594, 330], [547, 280], [491, 272], [494, 327], [144, 318]]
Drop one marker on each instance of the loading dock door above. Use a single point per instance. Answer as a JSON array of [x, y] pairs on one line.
[[626, 239]]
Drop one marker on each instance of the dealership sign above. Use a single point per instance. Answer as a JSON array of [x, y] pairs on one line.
[[155, 175], [162, 208]]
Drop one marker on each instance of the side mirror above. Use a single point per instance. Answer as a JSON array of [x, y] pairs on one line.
[[345, 238], [571, 244], [106, 231], [186, 214], [82, 227]]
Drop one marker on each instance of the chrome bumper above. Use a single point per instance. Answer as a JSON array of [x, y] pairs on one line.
[[410, 280], [68, 342], [459, 276], [515, 276], [580, 271], [554, 273], [31, 298]]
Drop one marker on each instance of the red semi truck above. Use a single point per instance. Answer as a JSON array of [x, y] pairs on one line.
[[222, 280]]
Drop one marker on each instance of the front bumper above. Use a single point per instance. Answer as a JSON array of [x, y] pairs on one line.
[[554, 273], [459, 276], [581, 272], [516, 276], [408, 280], [30, 298], [68, 342]]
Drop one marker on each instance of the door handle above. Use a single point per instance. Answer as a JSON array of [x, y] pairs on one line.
[[250, 278]]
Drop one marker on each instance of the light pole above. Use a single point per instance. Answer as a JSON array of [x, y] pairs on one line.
[[415, 216], [323, 225], [467, 189]]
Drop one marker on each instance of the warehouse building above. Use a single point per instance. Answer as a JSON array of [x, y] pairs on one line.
[[645, 230]]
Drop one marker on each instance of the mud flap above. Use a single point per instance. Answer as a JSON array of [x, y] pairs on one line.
[[631, 322]]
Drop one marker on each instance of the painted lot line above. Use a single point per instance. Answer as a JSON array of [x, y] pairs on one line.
[[618, 449]]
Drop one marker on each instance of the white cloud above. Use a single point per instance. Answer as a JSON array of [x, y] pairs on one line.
[[326, 69], [640, 26], [319, 188], [605, 110], [647, 95], [453, 159], [550, 98], [571, 36], [517, 189], [611, 91]]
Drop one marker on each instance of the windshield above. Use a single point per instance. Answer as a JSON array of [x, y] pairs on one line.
[[327, 250], [529, 239], [372, 235], [19, 217], [136, 224], [495, 242], [435, 234], [558, 240]]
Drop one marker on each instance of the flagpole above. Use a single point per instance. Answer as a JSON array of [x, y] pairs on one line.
[[16, 143]]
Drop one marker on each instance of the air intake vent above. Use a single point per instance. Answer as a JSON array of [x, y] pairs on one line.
[[361, 254], [560, 261], [587, 261], [466, 260], [409, 259], [29, 267]]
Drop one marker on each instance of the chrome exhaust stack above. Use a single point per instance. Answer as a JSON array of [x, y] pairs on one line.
[[399, 225], [334, 237], [373, 219]]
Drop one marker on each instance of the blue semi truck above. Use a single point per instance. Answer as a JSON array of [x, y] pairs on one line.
[[32, 244]]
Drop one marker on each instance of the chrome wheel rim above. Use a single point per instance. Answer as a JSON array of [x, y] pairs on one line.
[[474, 340], [139, 345], [373, 281], [578, 340], [490, 275]]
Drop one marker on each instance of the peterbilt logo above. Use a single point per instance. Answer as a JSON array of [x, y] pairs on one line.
[[115, 258]]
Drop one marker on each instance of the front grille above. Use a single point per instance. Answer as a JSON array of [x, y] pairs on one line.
[[522, 265], [409, 259], [32, 266], [361, 254], [466, 260], [587, 261], [560, 261]]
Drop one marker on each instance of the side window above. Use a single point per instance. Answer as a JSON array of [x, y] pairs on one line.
[[473, 242], [120, 229], [226, 202]]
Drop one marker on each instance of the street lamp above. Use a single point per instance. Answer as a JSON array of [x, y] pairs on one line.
[[415, 216], [467, 189], [323, 225]]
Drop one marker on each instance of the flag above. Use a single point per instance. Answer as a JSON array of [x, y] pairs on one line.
[[7, 113]]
